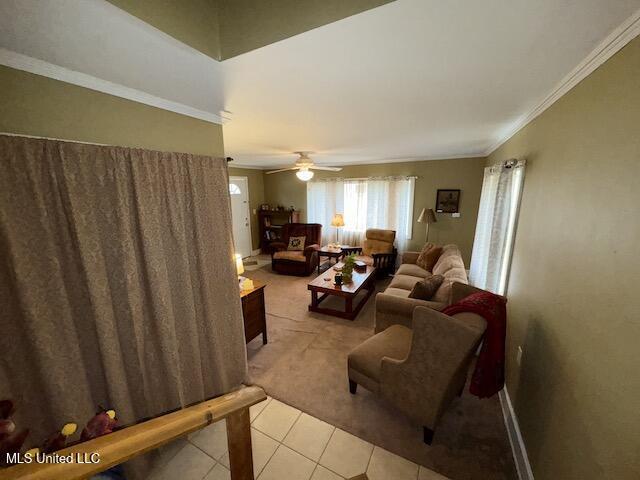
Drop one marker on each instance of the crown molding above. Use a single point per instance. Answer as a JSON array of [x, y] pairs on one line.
[[614, 42], [247, 167], [423, 158], [419, 158], [25, 63]]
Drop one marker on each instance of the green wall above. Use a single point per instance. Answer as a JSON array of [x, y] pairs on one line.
[[35, 105], [256, 197], [466, 174], [573, 295], [249, 24], [194, 22]]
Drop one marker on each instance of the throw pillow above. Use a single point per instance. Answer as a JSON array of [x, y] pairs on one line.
[[296, 243], [429, 256], [425, 289]]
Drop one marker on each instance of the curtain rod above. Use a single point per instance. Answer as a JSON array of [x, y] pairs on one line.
[[229, 159], [513, 163], [55, 139], [507, 165], [374, 177]]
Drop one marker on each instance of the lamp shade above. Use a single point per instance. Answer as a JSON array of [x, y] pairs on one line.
[[427, 215], [304, 174], [239, 264], [337, 220]]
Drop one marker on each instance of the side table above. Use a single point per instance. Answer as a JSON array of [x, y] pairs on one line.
[[253, 312], [329, 253]]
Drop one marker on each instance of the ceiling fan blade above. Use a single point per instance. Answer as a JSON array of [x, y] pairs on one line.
[[281, 170], [330, 169]]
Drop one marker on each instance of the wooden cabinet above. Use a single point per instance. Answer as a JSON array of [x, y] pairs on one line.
[[253, 312]]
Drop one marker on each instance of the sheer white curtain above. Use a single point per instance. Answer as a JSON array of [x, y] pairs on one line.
[[327, 199], [365, 203], [355, 212], [495, 231], [390, 206]]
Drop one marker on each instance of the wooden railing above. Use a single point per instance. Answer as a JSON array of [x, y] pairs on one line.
[[126, 443]]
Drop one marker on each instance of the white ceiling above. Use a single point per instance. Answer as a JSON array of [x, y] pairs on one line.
[[413, 79]]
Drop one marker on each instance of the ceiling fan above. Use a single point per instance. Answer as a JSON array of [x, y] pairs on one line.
[[305, 165]]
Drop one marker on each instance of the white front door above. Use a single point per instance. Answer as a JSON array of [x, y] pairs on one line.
[[239, 191]]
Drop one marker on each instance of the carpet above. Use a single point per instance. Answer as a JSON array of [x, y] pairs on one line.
[[304, 365]]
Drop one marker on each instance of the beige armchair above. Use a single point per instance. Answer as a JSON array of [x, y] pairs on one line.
[[419, 369]]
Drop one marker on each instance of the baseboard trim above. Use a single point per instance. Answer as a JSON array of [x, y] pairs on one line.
[[518, 448], [255, 252]]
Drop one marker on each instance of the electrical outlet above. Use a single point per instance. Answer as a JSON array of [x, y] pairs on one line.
[[519, 355]]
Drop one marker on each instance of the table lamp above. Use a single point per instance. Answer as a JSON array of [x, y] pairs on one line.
[[337, 221], [239, 269], [428, 216]]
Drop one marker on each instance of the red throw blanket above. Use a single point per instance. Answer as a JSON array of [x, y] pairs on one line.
[[488, 376]]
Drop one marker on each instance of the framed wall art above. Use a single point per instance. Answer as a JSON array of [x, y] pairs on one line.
[[447, 201]]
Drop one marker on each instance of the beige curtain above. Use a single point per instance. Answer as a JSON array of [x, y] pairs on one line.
[[117, 285]]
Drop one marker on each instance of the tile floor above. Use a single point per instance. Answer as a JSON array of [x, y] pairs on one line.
[[287, 445]]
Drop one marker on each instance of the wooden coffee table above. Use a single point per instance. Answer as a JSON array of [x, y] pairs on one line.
[[361, 281]]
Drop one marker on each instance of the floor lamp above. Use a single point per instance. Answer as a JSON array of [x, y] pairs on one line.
[[428, 216], [338, 222]]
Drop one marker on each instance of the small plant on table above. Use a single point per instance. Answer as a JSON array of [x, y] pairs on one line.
[[347, 269]]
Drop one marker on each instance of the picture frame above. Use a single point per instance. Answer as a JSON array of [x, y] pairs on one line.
[[447, 200]]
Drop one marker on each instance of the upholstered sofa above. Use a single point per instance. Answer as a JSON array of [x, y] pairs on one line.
[[421, 367], [393, 306], [378, 250], [297, 262]]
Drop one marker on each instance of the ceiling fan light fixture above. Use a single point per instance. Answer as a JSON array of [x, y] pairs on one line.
[[304, 174]]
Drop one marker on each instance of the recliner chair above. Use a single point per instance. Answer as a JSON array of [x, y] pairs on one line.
[[377, 250], [297, 262]]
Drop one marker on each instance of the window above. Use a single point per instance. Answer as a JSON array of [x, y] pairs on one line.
[[365, 203], [234, 189], [355, 206]]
